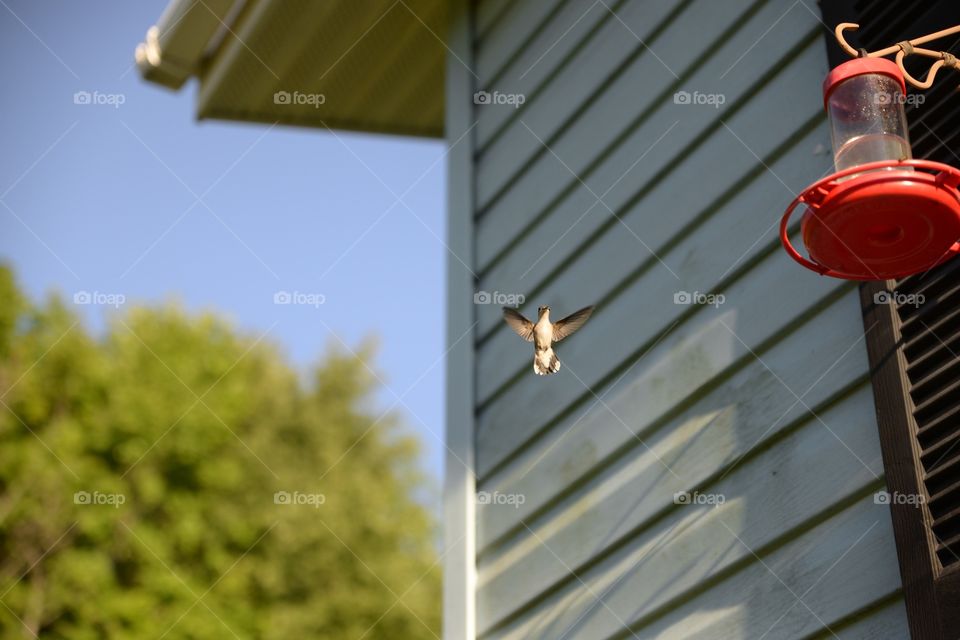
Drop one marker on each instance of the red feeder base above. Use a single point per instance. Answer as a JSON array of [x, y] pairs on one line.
[[880, 224]]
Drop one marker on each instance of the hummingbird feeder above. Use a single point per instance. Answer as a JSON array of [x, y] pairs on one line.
[[882, 214]]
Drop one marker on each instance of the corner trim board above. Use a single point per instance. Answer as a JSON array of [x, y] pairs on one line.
[[459, 560]]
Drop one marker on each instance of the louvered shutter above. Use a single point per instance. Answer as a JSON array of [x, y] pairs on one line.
[[930, 334], [914, 346]]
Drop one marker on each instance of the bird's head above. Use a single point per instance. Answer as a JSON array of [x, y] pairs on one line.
[[542, 310]]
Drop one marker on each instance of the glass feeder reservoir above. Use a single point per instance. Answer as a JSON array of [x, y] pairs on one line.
[[882, 214], [864, 99]]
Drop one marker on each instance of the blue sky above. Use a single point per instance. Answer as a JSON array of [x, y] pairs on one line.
[[104, 198]]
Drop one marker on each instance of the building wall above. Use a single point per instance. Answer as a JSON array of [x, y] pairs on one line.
[[604, 188]]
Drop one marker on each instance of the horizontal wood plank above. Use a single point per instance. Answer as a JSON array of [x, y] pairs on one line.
[[886, 623], [488, 13]]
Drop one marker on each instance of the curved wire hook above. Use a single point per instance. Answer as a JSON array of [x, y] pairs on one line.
[[931, 73], [904, 49]]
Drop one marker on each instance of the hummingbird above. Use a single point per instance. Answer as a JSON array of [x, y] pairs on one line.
[[544, 333]]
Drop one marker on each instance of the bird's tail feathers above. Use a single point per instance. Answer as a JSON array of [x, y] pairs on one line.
[[546, 362]]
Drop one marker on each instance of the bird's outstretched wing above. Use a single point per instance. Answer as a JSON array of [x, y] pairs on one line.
[[516, 321], [566, 326]]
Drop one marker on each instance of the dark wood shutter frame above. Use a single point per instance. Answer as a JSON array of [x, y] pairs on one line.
[[914, 349]]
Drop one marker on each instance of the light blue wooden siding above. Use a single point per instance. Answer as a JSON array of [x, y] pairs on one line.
[[603, 189]]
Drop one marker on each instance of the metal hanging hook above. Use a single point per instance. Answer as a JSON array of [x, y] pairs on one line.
[[907, 48]]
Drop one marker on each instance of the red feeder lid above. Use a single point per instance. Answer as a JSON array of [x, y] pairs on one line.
[[880, 224], [859, 67]]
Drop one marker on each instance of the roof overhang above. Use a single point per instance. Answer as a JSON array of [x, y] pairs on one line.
[[372, 65]]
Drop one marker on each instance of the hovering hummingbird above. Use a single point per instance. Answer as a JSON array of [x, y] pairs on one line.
[[544, 333]]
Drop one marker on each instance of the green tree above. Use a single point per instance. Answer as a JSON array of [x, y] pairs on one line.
[[175, 478]]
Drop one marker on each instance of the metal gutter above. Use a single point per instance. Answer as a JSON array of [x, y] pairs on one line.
[[177, 45]]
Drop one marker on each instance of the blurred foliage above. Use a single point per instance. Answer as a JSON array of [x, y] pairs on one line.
[[194, 428]]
